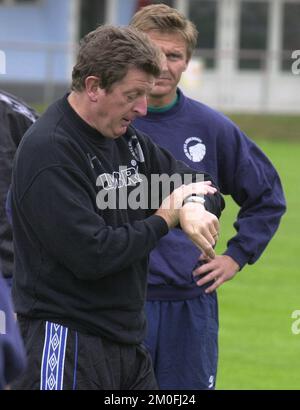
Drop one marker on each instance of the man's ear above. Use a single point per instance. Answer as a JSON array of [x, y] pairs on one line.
[[92, 87]]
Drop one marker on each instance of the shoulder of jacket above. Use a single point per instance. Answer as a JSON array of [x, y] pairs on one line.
[[18, 106]]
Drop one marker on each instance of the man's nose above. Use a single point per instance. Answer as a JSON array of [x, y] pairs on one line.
[[140, 107], [164, 64]]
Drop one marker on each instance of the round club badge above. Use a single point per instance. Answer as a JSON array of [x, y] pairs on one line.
[[194, 149]]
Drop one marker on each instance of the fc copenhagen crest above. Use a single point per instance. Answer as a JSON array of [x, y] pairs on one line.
[[194, 149]]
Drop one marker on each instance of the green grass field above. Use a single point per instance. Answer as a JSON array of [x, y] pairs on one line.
[[257, 347], [267, 126]]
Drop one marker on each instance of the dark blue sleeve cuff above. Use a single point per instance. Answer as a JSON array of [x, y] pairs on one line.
[[240, 257]]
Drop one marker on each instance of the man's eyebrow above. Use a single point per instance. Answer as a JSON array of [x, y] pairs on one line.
[[174, 53], [135, 90]]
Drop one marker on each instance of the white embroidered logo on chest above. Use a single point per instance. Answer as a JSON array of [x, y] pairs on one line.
[[194, 149]]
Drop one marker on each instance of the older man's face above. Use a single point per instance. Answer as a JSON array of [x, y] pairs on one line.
[[126, 100]]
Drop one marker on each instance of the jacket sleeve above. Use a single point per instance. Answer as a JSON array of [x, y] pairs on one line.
[[255, 186], [60, 209]]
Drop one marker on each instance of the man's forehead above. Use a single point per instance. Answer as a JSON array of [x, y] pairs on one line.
[[166, 41], [137, 79], [138, 74], [172, 36]]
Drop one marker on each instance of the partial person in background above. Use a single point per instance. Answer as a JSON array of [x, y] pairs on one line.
[[12, 354], [15, 118], [182, 305]]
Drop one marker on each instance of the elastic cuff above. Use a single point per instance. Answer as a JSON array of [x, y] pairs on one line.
[[237, 254], [159, 225]]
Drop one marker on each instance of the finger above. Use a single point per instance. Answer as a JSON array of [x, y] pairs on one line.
[[216, 238], [207, 242], [216, 224], [211, 238], [212, 229], [207, 267], [204, 257], [207, 278], [214, 272], [199, 188], [214, 286], [203, 182], [203, 190], [205, 247], [210, 191], [210, 252], [214, 233], [206, 231]]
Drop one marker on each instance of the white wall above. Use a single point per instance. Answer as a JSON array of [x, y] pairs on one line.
[[228, 89]]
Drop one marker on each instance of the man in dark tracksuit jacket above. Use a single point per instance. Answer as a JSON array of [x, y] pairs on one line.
[[15, 118], [81, 243]]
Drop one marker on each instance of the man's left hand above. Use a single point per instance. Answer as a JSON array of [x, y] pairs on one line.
[[221, 269], [201, 226]]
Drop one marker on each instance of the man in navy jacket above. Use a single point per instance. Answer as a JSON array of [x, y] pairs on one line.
[[182, 303]]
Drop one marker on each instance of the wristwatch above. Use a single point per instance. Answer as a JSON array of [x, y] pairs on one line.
[[194, 198]]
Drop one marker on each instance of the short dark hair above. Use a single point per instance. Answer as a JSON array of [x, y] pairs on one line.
[[108, 52]]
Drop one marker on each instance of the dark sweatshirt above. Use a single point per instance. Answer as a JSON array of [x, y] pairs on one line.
[[75, 263], [207, 140]]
